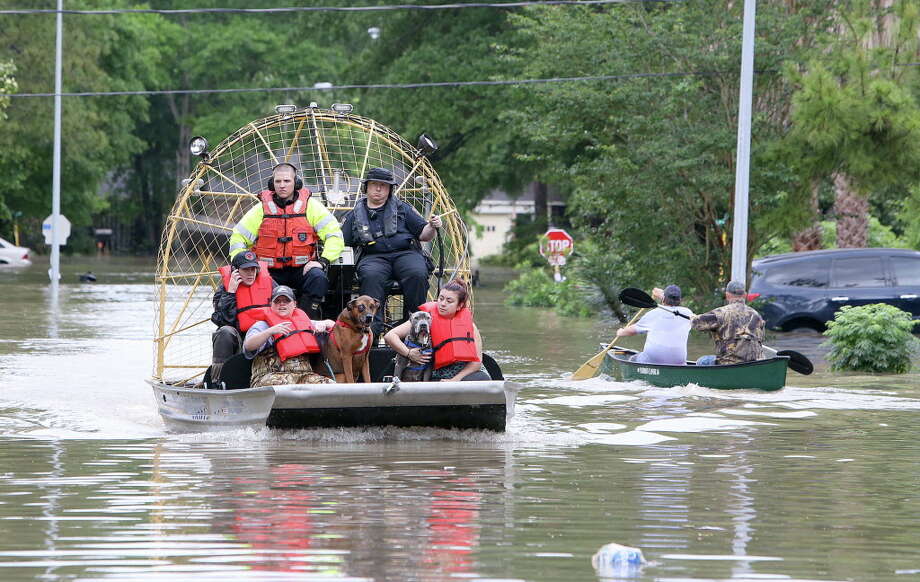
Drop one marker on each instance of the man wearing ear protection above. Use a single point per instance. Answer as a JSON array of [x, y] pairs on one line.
[[284, 229]]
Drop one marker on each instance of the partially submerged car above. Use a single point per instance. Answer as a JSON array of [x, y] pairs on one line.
[[13, 255], [806, 289]]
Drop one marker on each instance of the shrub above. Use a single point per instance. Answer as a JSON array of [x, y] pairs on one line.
[[871, 338], [536, 288]]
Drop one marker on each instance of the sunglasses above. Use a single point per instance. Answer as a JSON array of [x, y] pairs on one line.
[[281, 299]]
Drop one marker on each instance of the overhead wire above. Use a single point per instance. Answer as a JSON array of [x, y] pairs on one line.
[[381, 8], [328, 87]]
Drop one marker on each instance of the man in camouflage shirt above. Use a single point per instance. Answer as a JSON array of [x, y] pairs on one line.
[[736, 328]]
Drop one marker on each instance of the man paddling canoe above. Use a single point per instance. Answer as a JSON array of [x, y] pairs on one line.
[[736, 328], [666, 342]]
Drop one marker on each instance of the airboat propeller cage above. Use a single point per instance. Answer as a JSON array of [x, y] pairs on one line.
[[334, 150]]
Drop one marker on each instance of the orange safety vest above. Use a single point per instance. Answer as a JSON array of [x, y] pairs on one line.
[[285, 238], [249, 297], [301, 340], [452, 339]]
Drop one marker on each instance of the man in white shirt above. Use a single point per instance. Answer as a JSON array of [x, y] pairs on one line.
[[666, 341]]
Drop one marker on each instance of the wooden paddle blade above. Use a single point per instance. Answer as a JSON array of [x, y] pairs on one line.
[[637, 298], [798, 362], [589, 369]]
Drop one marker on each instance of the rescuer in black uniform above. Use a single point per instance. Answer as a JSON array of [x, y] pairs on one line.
[[388, 232]]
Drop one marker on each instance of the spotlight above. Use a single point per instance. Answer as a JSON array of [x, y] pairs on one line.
[[198, 146], [426, 145]]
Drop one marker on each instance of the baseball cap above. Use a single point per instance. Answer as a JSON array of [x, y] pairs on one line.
[[672, 291], [283, 290], [245, 259], [735, 288]]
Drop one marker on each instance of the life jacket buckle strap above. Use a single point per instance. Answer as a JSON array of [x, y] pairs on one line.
[[285, 239]]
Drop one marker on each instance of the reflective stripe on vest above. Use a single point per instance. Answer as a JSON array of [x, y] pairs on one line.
[[249, 297], [286, 238], [453, 339], [301, 340]]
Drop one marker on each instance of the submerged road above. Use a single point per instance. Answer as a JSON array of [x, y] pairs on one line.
[[815, 482]]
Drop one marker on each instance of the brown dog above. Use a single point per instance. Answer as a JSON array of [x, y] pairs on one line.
[[350, 340]]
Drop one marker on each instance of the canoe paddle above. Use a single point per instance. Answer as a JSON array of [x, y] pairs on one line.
[[639, 298], [589, 368]]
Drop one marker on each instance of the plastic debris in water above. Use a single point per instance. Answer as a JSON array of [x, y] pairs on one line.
[[617, 561]]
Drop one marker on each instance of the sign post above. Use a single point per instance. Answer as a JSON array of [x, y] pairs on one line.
[[55, 233], [555, 245]]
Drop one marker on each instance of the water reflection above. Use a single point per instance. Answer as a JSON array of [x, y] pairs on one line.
[[811, 482]]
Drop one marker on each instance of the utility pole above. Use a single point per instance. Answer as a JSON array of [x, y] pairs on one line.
[[743, 163], [56, 171]]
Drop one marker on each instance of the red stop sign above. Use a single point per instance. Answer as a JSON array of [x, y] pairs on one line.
[[556, 243]]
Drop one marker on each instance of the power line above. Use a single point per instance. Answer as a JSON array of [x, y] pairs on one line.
[[329, 87], [383, 8]]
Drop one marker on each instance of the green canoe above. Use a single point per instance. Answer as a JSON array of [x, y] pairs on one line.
[[767, 374]]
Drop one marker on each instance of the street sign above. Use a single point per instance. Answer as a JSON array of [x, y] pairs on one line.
[[555, 245], [63, 229]]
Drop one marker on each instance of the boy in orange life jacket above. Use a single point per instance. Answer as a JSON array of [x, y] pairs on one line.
[[244, 287], [282, 342], [455, 339]]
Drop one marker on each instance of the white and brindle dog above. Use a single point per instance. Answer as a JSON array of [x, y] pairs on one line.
[[419, 337]]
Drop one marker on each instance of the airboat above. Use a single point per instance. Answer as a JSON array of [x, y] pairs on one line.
[[333, 148]]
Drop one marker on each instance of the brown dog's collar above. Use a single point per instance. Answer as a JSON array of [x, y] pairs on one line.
[[341, 323]]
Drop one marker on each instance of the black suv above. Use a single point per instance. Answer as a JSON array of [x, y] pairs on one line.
[[806, 289]]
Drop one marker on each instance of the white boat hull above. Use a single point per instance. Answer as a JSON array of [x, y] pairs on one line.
[[475, 405], [198, 410]]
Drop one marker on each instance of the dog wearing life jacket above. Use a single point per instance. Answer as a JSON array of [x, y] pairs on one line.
[[350, 340], [419, 336]]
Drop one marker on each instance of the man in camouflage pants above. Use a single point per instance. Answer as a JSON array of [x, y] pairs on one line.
[[736, 328]]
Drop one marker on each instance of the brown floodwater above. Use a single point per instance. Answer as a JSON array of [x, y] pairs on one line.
[[818, 481]]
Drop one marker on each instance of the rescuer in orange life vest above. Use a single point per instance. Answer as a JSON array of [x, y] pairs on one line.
[[245, 286], [284, 229], [455, 339], [282, 344]]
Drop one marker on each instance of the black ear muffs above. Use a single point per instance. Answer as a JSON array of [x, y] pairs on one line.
[[298, 183]]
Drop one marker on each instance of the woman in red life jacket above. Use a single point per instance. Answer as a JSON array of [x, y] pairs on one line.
[[283, 341], [455, 340]]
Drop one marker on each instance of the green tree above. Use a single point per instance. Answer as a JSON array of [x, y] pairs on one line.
[[7, 86], [97, 133], [855, 119], [478, 151], [649, 161]]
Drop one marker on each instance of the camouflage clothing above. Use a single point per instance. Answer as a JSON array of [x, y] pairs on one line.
[[269, 370], [737, 330]]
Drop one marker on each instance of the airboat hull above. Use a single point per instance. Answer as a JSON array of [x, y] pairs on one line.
[[197, 410], [486, 405]]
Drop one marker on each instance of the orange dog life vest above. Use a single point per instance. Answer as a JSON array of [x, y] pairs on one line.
[[249, 297], [452, 339]]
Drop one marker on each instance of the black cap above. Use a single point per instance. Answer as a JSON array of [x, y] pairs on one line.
[[735, 288], [380, 175], [245, 259], [672, 292], [282, 290]]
